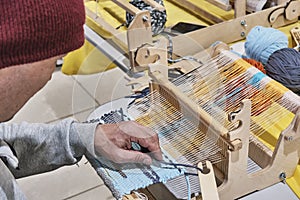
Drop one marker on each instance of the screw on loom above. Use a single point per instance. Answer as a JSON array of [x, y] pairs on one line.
[[205, 169], [145, 18], [288, 138], [282, 177], [243, 23], [243, 34]]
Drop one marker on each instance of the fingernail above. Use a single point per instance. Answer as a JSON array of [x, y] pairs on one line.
[[147, 161]]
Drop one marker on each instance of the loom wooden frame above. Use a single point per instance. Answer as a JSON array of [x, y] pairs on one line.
[[283, 160]]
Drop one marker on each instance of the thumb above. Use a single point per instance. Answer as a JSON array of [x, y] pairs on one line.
[[137, 157]]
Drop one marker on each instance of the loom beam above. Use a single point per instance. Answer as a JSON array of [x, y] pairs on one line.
[[233, 30]]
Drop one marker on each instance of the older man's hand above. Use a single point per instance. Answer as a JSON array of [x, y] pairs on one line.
[[113, 141]]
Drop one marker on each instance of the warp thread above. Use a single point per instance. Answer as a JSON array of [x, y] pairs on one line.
[[158, 18], [262, 42], [284, 67]]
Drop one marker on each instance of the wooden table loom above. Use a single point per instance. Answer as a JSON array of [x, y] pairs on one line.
[[277, 164], [242, 141]]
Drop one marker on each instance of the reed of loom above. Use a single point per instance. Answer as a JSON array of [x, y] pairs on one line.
[[235, 144]]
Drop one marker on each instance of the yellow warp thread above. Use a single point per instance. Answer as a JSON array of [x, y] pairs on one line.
[[273, 127]]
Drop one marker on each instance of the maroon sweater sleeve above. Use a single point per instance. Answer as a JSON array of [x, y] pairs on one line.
[[32, 30]]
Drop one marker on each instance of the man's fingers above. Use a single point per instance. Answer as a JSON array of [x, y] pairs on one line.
[[142, 135], [134, 129], [129, 156], [154, 150], [121, 135], [152, 144], [157, 155]]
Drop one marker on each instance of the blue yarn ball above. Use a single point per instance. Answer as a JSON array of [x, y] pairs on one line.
[[284, 67], [261, 42]]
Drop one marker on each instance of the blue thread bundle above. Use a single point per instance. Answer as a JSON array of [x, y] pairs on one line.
[[262, 42], [284, 67]]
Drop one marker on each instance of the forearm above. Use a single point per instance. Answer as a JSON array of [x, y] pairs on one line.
[[44, 147]]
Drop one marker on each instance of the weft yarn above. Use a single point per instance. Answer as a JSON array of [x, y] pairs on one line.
[[284, 67], [261, 42]]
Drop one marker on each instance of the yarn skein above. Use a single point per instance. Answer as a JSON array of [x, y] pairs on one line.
[[256, 64], [284, 67], [261, 42]]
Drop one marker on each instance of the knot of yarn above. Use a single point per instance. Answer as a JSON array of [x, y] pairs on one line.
[[261, 42], [284, 67]]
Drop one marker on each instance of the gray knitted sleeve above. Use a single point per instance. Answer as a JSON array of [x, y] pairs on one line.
[[45, 147]]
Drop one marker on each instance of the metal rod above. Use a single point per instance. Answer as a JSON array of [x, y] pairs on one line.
[[108, 50]]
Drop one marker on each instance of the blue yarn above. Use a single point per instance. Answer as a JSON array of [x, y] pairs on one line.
[[255, 79], [261, 42], [284, 66], [188, 187]]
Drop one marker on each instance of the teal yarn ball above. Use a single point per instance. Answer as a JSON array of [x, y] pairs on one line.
[[262, 42]]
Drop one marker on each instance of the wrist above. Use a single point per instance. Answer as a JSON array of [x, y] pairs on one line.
[[83, 139], [100, 139]]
